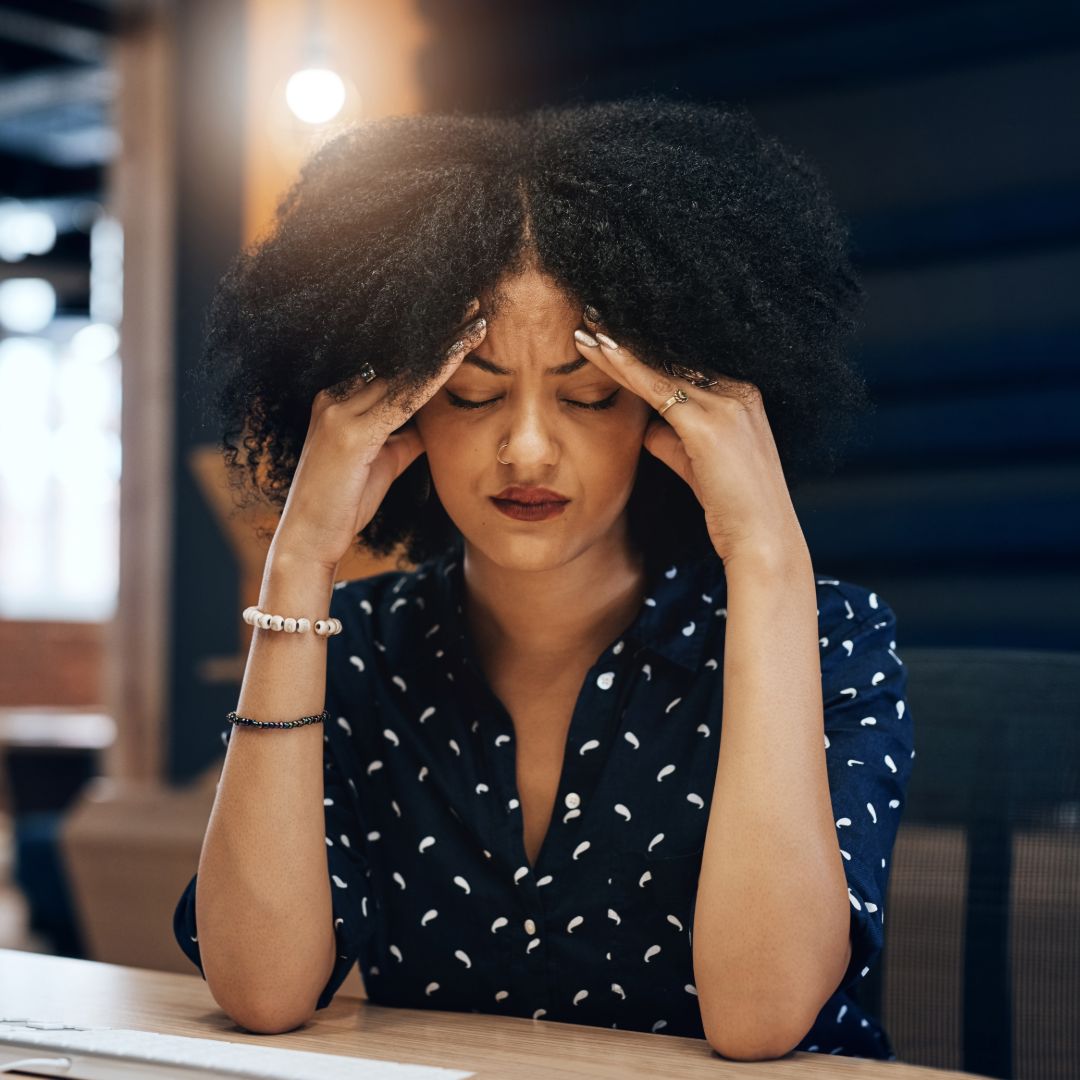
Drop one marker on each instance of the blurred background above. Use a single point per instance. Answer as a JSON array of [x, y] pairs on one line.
[[141, 144]]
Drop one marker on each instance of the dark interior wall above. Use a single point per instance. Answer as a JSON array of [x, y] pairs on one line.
[[205, 589], [948, 134], [947, 131]]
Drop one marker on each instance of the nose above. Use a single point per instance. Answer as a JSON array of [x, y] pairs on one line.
[[533, 441]]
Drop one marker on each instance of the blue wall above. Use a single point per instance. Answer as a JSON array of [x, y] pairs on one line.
[[948, 132]]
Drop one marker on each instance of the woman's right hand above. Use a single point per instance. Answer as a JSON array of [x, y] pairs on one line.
[[350, 457]]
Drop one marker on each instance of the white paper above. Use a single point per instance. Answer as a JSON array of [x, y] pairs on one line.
[[96, 1052]]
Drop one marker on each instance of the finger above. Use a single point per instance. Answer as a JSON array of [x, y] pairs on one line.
[[589, 346], [661, 439], [398, 411], [472, 310], [466, 327], [405, 446], [621, 364], [468, 340], [353, 390]]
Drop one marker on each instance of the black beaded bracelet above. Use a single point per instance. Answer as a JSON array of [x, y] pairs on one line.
[[322, 717]]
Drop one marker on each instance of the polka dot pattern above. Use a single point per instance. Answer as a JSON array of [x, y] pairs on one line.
[[432, 892]]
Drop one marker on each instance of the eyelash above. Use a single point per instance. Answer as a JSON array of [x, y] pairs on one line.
[[462, 403]]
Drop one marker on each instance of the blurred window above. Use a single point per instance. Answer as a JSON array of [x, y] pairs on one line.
[[60, 447]]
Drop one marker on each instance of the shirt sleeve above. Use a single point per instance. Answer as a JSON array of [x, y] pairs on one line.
[[347, 864], [347, 861], [869, 752]]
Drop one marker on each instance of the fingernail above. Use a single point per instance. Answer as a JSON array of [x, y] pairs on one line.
[[606, 341], [470, 332], [586, 339], [591, 313]]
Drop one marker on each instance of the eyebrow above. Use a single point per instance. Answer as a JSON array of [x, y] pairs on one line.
[[492, 368]]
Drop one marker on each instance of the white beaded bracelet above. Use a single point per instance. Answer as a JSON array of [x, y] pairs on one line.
[[323, 627]]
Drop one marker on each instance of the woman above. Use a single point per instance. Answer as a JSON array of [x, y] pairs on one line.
[[610, 752]]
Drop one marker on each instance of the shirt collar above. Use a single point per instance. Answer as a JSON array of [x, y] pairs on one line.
[[674, 621]]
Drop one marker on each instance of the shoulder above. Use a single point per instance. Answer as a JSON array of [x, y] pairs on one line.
[[845, 606], [857, 635], [384, 609], [856, 629]]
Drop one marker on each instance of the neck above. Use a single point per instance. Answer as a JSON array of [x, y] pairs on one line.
[[541, 619]]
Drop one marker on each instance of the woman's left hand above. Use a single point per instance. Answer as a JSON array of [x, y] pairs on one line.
[[721, 444]]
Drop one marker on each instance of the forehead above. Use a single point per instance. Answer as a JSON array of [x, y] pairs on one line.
[[531, 303]]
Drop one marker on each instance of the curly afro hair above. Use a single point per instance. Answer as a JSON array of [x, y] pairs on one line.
[[700, 241]]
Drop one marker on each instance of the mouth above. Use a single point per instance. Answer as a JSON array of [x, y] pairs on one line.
[[530, 495], [530, 511]]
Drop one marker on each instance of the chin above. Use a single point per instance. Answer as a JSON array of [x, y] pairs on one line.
[[523, 554], [524, 551]]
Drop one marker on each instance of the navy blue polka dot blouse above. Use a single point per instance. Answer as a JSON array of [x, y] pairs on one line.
[[432, 892]]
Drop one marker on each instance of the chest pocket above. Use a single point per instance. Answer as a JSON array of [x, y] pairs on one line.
[[652, 910], [651, 962]]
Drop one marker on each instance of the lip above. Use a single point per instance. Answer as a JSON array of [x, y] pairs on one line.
[[520, 511], [529, 495]]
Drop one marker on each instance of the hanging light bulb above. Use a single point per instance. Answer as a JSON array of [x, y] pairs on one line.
[[316, 93]]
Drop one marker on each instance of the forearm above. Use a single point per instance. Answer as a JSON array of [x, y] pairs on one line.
[[771, 927], [262, 896]]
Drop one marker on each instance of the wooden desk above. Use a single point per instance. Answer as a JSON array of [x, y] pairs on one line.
[[493, 1047]]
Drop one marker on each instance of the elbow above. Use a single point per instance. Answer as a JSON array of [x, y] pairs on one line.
[[741, 1045], [757, 1035], [267, 1001], [755, 1023], [260, 1009], [267, 1018]]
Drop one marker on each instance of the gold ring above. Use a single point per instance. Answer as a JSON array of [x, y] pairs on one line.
[[679, 395]]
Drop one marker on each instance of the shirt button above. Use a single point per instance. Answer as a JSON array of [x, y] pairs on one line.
[[530, 926], [573, 800]]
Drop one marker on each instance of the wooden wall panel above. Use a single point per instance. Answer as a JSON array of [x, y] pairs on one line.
[[52, 663]]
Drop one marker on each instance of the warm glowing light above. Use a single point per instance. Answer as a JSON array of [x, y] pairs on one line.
[[315, 95]]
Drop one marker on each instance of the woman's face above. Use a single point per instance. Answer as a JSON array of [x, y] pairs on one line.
[[587, 455]]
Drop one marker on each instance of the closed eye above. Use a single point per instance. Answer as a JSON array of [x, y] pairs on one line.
[[464, 403]]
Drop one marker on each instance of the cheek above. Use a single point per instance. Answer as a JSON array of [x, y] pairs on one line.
[[627, 436], [433, 426], [616, 450], [452, 454]]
